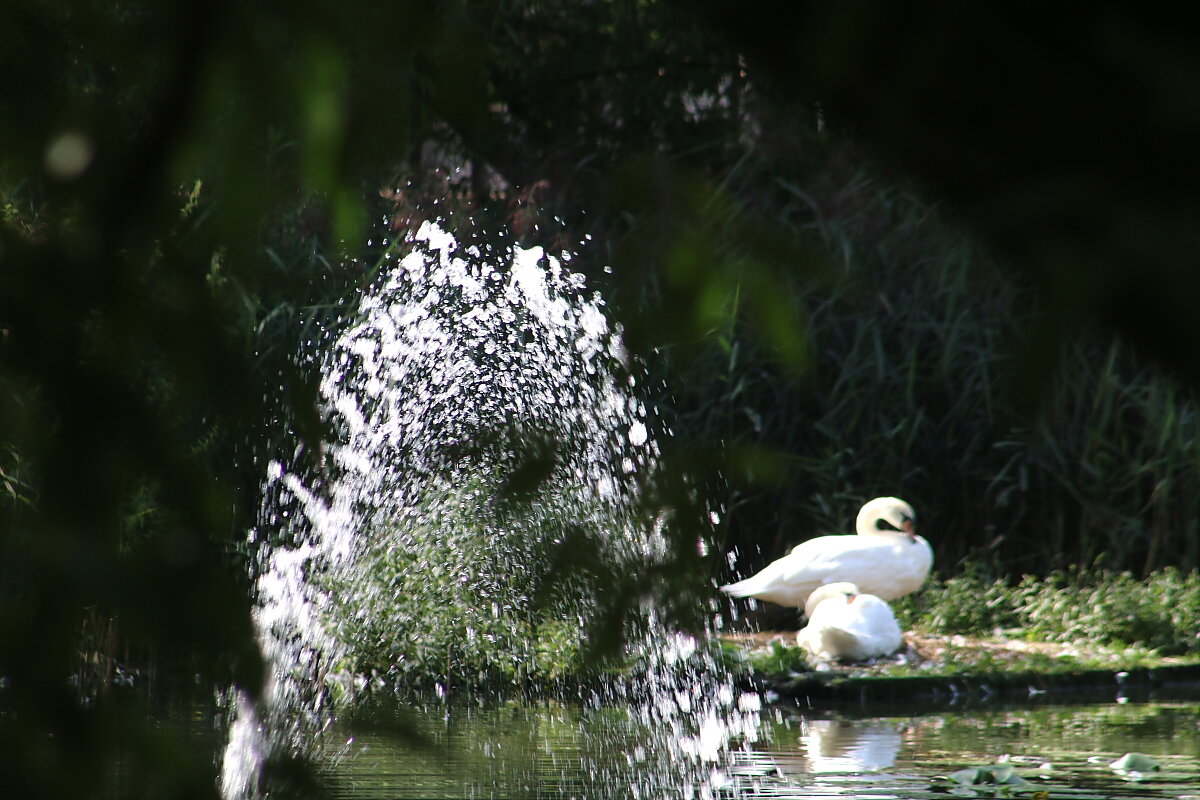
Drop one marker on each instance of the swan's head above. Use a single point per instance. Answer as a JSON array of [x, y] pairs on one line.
[[843, 590], [887, 516]]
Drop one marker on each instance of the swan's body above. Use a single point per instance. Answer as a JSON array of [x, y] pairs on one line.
[[845, 625], [886, 558]]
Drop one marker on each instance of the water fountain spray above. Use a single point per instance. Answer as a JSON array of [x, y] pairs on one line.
[[483, 511]]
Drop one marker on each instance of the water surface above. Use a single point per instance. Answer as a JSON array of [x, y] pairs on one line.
[[556, 750]]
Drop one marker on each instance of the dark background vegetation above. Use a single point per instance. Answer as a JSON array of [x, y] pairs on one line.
[[937, 250]]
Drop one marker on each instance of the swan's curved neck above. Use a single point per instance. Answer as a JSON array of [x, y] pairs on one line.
[[869, 529]]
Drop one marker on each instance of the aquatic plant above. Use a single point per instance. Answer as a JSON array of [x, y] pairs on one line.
[[1135, 762], [1003, 774]]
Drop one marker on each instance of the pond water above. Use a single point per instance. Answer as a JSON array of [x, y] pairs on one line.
[[563, 751]]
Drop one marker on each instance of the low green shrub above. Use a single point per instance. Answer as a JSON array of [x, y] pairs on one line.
[[1160, 612], [780, 659], [476, 589], [967, 604]]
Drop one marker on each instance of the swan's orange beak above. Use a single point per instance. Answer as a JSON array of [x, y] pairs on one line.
[[909, 530], [850, 598]]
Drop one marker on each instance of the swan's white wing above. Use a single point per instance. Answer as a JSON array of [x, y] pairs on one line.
[[860, 560], [789, 580], [885, 567], [778, 582], [881, 566], [829, 633], [874, 626], [809, 638], [863, 629]]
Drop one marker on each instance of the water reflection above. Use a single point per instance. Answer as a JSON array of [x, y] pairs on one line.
[[566, 751], [548, 751], [837, 745]]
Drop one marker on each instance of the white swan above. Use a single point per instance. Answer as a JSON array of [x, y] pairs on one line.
[[846, 625], [886, 559]]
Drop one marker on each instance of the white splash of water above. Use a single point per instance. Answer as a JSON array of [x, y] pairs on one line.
[[459, 364]]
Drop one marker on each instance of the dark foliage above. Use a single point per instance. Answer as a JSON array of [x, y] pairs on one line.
[[183, 186]]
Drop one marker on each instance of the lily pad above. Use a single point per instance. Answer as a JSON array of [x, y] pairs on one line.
[[1135, 762], [1003, 774], [965, 777]]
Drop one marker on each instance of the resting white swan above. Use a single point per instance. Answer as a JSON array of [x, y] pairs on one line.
[[886, 559], [846, 625]]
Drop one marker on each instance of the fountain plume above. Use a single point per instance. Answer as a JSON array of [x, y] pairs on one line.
[[485, 512]]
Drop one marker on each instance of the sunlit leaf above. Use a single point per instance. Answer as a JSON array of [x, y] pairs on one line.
[[967, 776], [1002, 773]]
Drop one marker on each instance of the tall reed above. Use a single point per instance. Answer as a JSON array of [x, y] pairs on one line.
[[922, 353]]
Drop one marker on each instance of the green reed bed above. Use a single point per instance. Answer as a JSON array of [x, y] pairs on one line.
[[1026, 438]]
